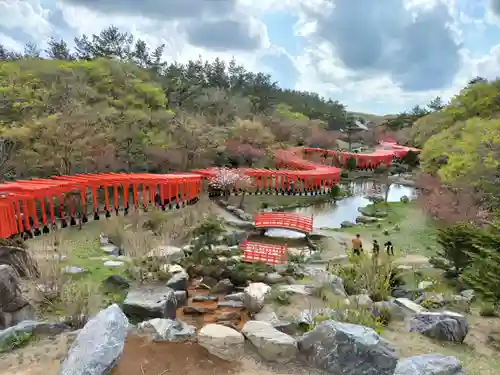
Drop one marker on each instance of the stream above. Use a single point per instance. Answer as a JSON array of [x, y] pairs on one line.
[[332, 214]]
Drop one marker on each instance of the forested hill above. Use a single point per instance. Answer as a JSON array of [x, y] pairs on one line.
[[186, 84]]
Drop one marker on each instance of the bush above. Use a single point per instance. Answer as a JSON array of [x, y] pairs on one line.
[[411, 159], [457, 243], [335, 192], [488, 310], [351, 164], [281, 298], [404, 199]]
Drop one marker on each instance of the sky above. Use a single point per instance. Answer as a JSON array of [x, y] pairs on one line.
[[374, 56]]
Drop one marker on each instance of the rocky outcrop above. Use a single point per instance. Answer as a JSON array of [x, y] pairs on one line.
[[150, 301], [270, 343], [348, 349], [99, 345], [429, 364], [222, 341], [443, 326]]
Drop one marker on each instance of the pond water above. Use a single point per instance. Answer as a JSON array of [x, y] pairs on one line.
[[332, 214]]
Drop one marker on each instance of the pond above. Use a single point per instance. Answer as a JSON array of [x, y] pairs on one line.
[[332, 214]]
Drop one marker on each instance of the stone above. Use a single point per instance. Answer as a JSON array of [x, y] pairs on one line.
[[322, 277], [175, 268], [72, 270], [221, 341], [205, 298], [231, 304], [240, 296], [408, 306], [255, 295], [20, 260], [27, 312], [366, 219], [178, 281], [270, 343], [224, 286], [228, 316], [346, 224], [442, 326], [113, 263], [11, 298], [111, 249], [116, 281], [469, 294], [348, 349], [429, 364], [150, 301], [267, 314], [103, 239], [99, 345], [181, 297], [298, 289], [361, 299], [425, 284], [30, 327], [273, 278], [192, 310], [167, 254], [169, 330]]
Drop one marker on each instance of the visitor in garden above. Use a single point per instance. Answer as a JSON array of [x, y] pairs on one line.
[[389, 248], [357, 245], [376, 249]]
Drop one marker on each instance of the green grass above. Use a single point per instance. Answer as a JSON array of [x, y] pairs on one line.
[[416, 234]]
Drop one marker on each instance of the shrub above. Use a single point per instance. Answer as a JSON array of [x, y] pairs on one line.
[[411, 159], [488, 310], [281, 298], [404, 199], [351, 164]]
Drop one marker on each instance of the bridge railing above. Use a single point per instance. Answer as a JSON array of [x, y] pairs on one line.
[[283, 220], [262, 252]]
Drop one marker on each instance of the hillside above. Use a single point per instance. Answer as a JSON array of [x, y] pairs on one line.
[[112, 104]]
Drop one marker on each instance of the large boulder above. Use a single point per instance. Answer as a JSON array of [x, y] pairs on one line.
[[325, 278], [443, 326], [14, 308], [99, 345], [270, 343], [178, 281], [255, 295], [168, 330], [222, 341], [20, 260], [348, 349], [151, 301], [429, 364]]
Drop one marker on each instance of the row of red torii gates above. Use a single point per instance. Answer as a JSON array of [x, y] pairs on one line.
[[32, 206]]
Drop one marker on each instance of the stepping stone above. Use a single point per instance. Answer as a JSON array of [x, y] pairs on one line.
[[113, 263]]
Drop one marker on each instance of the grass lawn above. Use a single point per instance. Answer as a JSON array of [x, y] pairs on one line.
[[408, 228]]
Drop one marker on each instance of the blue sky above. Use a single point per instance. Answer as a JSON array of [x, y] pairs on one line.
[[374, 56]]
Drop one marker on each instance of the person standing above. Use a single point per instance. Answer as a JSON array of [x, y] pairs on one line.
[[389, 248], [376, 249], [357, 245]]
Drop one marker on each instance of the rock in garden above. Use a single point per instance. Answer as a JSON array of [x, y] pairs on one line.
[[224, 286], [469, 294], [409, 307], [267, 314], [240, 296], [31, 328], [231, 304], [205, 298], [222, 341], [346, 224], [299, 289], [229, 317], [11, 298], [111, 249], [273, 278], [150, 301], [323, 277], [348, 349], [167, 254], [72, 270], [116, 281], [270, 343], [99, 345], [361, 300], [429, 364], [169, 330], [113, 263], [192, 310], [443, 326], [178, 281], [255, 295], [181, 297], [103, 239]]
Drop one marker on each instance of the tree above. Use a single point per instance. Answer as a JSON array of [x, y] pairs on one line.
[[58, 50], [436, 104], [6, 154], [228, 180]]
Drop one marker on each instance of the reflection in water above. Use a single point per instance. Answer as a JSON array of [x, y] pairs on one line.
[[331, 215]]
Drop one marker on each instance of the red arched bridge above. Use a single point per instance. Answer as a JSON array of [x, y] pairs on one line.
[[284, 220], [32, 206]]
